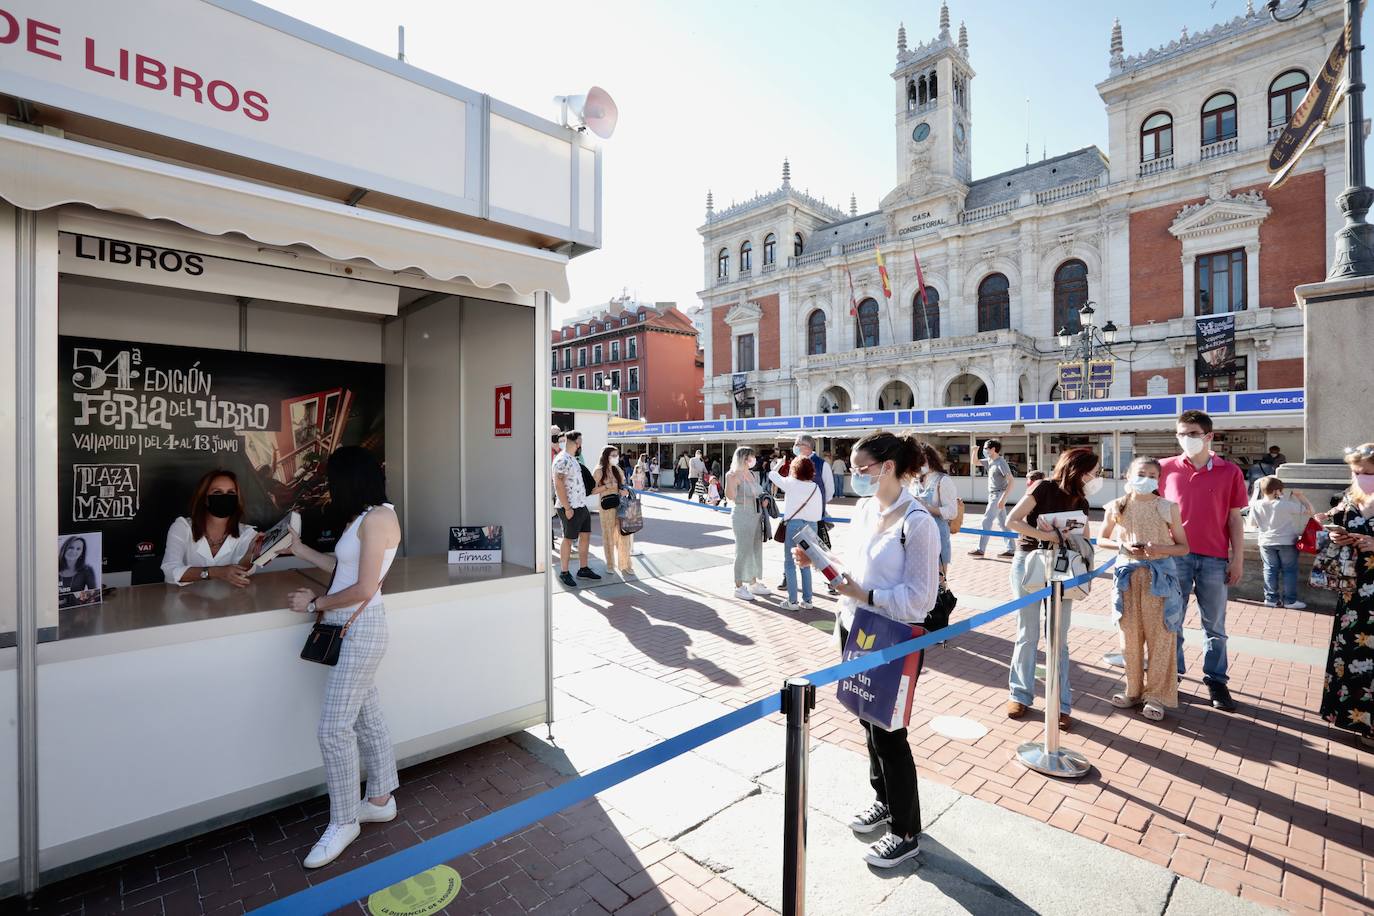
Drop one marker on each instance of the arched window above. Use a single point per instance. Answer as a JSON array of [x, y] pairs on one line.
[[723, 264], [925, 319], [866, 325], [994, 303], [921, 89], [1219, 118], [1285, 93], [911, 94], [934, 90], [1070, 292], [746, 257], [1157, 137], [796, 245], [770, 249], [815, 333]]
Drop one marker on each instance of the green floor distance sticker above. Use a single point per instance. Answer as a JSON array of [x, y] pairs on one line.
[[425, 893]]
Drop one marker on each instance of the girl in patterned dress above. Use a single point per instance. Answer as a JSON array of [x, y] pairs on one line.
[[1348, 698]]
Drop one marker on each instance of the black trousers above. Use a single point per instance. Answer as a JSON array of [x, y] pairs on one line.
[[892, 773]]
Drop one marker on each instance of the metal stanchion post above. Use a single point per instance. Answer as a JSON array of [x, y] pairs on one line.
[[1048, 757], [798, 699]]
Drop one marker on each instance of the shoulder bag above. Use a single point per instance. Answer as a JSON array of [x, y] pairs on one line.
[[958, 521], [612, 500], [781, 534], [945, 601], [325, 641]]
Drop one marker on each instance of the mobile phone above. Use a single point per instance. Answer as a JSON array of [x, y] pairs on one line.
[[1137, 545], [1335, 529]]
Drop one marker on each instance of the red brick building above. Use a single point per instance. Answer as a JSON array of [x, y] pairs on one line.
[[648, 352]]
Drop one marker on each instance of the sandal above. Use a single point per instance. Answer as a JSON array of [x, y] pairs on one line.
[[1121, 701], [1153, 711]]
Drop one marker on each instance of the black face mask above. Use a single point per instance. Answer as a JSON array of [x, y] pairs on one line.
[[222, 505]]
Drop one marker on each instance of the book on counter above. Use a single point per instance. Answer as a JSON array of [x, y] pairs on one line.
[[276, 539], [474, 544]]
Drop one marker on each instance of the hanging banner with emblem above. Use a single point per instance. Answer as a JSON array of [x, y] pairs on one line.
[[1216, 346], [1313, 113], [1100, 377], [1070, 381]]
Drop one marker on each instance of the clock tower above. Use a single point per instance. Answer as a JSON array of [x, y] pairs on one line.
[[933, 83]]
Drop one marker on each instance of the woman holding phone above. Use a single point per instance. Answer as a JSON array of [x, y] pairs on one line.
[[895, 572], [1075, 478], [351, 721], [1348, 697]]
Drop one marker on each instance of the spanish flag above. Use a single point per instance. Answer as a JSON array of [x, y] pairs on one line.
[[882, 272]]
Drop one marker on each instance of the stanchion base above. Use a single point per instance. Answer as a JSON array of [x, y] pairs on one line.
[[1061, 764]]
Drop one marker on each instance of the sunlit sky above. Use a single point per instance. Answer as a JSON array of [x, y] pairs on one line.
[[714, 94]]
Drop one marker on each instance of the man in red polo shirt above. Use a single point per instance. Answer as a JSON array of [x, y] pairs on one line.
[[1210, 492]]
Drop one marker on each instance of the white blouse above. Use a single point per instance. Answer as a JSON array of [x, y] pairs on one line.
[[904, 581], [943, 493], [802, 497], [183, 552]]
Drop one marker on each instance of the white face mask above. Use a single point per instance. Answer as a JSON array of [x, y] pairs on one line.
[[1091, 487], [1143, 484], [1192, 445], [751, 462]]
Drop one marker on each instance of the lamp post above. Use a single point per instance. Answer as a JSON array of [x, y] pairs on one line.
[[1354, 240], [1088, 343]]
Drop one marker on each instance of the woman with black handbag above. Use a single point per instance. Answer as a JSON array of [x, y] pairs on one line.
[[351, 719], [609, 486]]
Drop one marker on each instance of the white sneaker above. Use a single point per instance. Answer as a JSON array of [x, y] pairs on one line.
[[332, 843], [758, 588], [807, 606], [1296, 606], [743, 594], [1268, 603], [369, 813], [789, 606]]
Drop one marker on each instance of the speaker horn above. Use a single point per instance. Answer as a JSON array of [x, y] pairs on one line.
[[595, 111]]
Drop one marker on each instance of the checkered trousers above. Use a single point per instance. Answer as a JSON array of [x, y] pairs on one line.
[[351, 723]]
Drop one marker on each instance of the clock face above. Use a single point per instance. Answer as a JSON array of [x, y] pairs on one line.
[[959, 132], [921, 132]]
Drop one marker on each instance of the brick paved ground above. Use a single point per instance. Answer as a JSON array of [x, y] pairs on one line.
[[1268, 803]]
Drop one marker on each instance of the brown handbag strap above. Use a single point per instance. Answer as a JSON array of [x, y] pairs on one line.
[[319, 615], [802, 506]]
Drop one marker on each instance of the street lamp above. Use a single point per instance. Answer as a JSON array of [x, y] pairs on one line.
[[1089, 343], [1354, 240]]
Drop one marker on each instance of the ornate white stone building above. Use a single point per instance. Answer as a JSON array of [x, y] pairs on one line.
[[1174, 221]]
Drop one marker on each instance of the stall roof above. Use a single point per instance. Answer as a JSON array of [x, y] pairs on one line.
[[39, 171]]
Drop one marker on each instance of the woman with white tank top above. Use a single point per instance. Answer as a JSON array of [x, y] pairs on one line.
[[351, 718]]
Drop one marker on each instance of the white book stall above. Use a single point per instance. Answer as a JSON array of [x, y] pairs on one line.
[[229, 240]]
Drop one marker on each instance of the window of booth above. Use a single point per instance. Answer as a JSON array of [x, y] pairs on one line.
[[165, 378]]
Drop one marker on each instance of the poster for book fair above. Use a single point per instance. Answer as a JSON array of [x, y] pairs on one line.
[[1216, 346], [140, 423], [474, 544], [78, 569]]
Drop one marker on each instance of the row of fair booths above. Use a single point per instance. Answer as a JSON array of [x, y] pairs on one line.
[[318, 247]]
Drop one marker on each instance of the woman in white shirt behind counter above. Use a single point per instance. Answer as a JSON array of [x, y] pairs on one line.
[[894, 571], [212, 542]]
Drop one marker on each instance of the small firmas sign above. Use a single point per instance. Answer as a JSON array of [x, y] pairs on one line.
[[503, 411]]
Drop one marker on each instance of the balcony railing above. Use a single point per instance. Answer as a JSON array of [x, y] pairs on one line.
[[991, 211], [1072, 189], [1155, 166], [864, 244], [1274, 131], [746, 273], [1220, 148], [768, 268], [811, 257], [722, 279]]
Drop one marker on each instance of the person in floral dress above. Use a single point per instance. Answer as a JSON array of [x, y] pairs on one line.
[[1348, 697]]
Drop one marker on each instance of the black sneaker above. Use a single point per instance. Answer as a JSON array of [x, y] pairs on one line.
[[586, 573], [782, 586], [892, 850], [566, 578], [876, 816], [1221, 696]]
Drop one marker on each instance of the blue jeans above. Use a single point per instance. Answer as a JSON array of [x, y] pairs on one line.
[[1000, 517], [1279, 561], [1021, 678], [1205, 579], [789, 565], [943, 525]]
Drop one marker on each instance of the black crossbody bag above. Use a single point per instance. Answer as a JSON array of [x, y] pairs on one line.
[[325, 641]]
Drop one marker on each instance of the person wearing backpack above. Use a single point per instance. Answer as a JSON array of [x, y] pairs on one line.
[[1147, 531], [934, 490], [894, 572]]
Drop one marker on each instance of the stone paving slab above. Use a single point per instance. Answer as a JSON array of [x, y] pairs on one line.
[[678, 795], [585, 742], [632, 695], [749, 751]]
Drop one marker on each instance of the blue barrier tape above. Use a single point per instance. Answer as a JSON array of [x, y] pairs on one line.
[[354, 885], [840, 521]]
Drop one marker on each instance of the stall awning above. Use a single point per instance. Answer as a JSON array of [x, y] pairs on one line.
[[623, 425], [39, 171]]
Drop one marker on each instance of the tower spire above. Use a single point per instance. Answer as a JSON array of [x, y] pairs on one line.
[[944, 20], [786, 173], [710, 205], [901, 37], [853, 205], [1117, 48], [963, 37]]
